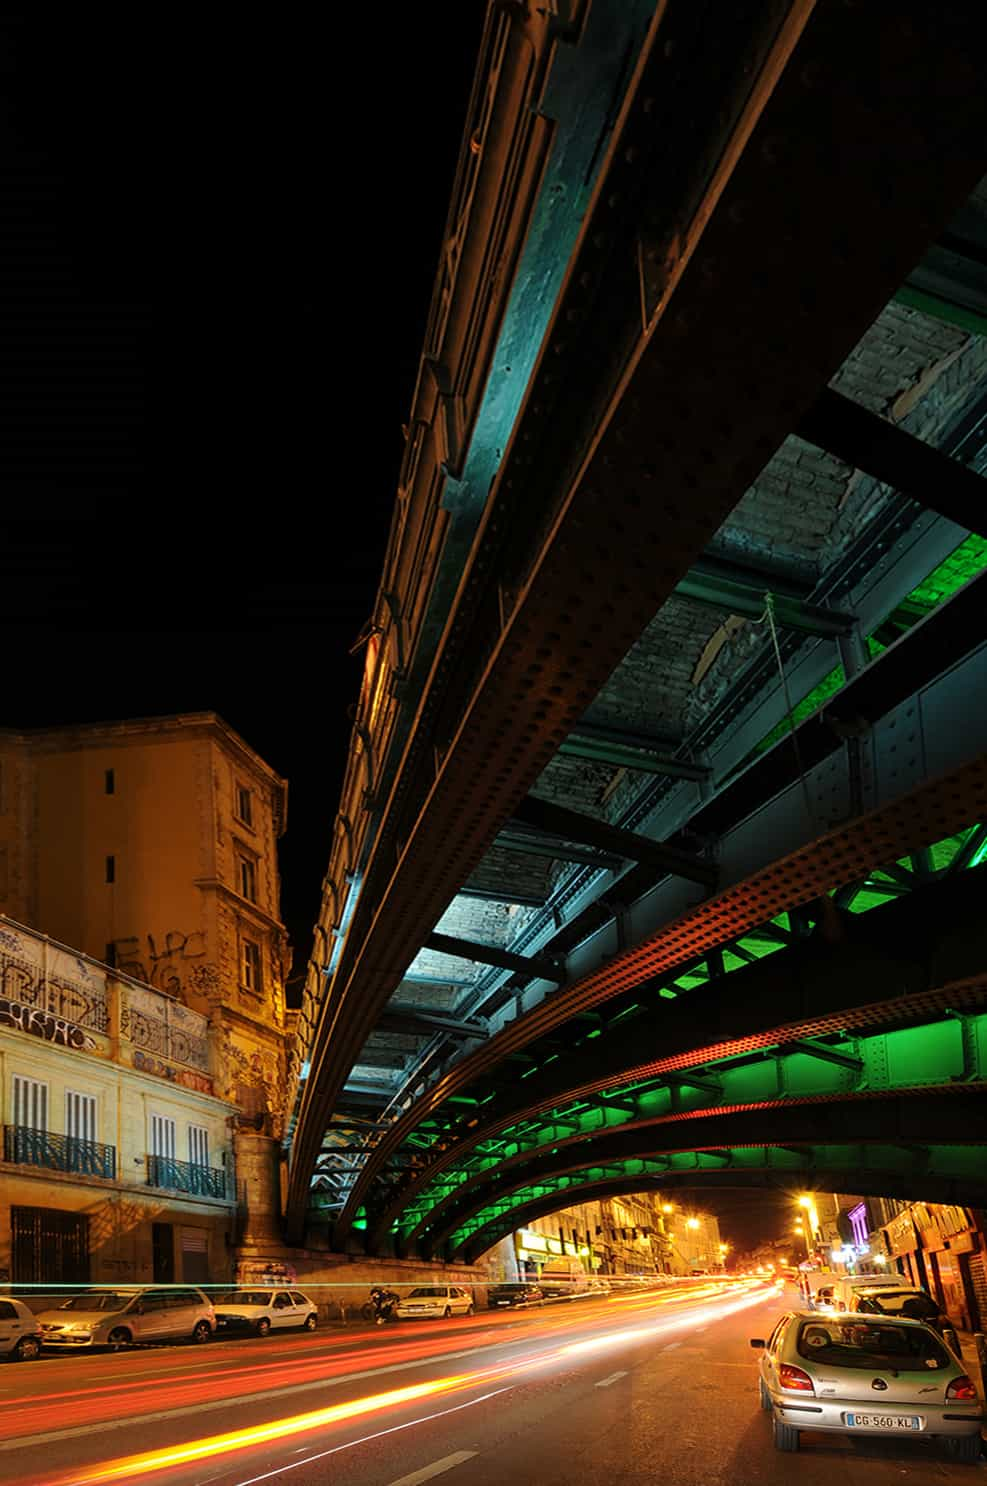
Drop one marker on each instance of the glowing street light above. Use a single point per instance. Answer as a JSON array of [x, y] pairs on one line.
[[692, 1222]]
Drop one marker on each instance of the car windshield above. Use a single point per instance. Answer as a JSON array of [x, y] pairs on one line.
[[243, 1297], [431, 1291], [103, 1300], [871, 1344]]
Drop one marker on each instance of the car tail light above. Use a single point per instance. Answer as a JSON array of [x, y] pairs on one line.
[[794, 1377], [961, 1387]]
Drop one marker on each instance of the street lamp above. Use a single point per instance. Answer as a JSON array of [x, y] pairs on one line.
[[692, 1222]]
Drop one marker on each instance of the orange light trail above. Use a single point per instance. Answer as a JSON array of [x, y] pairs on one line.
[[259, 1434], [149, 1462]]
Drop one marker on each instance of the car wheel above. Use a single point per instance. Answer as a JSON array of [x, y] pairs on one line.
[[311, 1322], [786, 1438], [447, 1313], [263, 1326], [965, 1448], [27, 1349], [764, 1395], [470, 1308], [202, 1332], [118, 1338]]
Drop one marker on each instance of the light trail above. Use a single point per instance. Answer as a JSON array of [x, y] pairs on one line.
[[150, 1462]]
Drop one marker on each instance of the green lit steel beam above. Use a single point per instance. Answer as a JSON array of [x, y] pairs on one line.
[[826, 1054], [644, 759], [932, 1054]]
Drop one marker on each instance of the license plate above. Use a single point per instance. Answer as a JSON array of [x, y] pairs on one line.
[[884, 1421]]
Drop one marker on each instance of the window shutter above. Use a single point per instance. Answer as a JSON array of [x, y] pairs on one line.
[[30, 1103]]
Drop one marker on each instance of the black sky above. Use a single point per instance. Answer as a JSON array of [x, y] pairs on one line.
[[217, 248]]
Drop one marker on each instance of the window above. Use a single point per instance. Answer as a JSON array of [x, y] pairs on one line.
[[251, 965], [111, 869], [198, 1145], [30, 1103], [247, 878], [109, 782], [244, 805], [163, 1136], [80, 1115]]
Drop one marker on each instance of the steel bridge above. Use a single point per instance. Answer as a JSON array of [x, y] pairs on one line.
[[658, 860]]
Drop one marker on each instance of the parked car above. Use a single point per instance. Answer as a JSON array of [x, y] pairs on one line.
[[513, 1294], [262, 1310], [906, 1301], [435, 1300], [863, 1375], [849, 1285], [116, 1318], [20, 1334]]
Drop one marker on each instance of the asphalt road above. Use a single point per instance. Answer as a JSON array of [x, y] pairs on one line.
[[622, 1390]]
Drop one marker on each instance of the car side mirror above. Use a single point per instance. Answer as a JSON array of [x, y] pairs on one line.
[[757, 1341]]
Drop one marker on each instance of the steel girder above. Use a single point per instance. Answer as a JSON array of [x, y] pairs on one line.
[[945, 1172], [945, 1054], [754, 256], [893, 966], [822, 1006]]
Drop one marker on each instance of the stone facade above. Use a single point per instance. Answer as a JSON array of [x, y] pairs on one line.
[[152, 845], [117, 1155]]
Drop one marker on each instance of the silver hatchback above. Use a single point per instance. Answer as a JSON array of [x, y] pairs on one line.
[[118, 1317], [866, 1375]]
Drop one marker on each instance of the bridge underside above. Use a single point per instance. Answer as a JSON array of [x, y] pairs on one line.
[[669, 872]]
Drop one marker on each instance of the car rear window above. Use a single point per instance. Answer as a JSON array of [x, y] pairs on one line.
[[429, 1290], [244, 1297], [867, 1345]]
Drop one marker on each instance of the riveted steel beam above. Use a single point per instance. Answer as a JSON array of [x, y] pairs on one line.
[[530, 966], [628, 750], [566, 824], [915, 1116], [426, 1023], [554, 850], [742, 598], [935, 1057], [823, 1053], [897, 458], [814, 1167], [908, 960], [758, 231]]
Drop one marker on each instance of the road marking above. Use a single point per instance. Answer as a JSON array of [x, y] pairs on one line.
[[701, 1329], [605, 1382], [437, 1468], [671, 1346], [282, 1470]]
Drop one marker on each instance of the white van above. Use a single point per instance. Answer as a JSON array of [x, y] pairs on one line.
[[849, 1285], [563, 1277]]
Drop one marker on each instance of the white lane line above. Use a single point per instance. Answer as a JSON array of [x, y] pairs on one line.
[[437, 1468], [282, 1470], [605, 1382], [671, 1346]]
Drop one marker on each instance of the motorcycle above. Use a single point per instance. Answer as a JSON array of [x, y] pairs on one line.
[[381, 1306]]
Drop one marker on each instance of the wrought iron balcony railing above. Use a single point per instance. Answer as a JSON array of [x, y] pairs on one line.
[[185, 1176], [58, 1152]]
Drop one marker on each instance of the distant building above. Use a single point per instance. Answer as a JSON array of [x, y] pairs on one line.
[[117, 1154], [151, 845]]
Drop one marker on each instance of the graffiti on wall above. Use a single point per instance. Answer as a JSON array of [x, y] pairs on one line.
[[43, 1024], [39, 974], [255, 1081], [186, 1077], [163, 962]]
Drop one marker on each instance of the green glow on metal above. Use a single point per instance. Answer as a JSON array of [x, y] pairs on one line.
[[668, 993], [597, 1032]]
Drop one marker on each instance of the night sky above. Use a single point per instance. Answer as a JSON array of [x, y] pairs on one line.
[[217, 249]]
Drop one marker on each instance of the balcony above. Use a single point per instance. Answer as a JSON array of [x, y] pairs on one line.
[[184, 1176], [58, 1152]]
